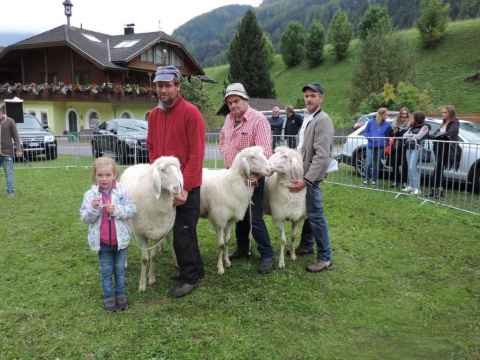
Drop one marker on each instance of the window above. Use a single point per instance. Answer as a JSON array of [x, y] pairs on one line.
[[125, 115], [93, 120], [44, 117], [91, 37], [50, 79], [126, 43], [147, 55], [161, 55], [82, 79], [177, 60]]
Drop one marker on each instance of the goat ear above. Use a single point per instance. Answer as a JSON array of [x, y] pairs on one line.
[[296, 169], [246, 168], [157, 182]]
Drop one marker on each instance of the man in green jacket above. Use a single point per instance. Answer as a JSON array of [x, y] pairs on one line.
[[8, 131], [315, 146]]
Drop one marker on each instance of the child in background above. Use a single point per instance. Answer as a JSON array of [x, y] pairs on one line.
[[106, 207]]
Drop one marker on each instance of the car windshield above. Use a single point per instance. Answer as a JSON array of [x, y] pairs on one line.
[[30, 123], [132, 125], [470, 131]]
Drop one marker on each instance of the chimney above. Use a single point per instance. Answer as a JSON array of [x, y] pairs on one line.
[[129, 29]]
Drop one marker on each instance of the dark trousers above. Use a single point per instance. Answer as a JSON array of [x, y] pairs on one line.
[[259, 229], [185, 241], [292, 142], [398, 161], [438, 175]]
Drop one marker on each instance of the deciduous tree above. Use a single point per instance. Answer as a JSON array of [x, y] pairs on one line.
[[315, 43], [432, 22], [375, 19], [292, 44], [340, 33]]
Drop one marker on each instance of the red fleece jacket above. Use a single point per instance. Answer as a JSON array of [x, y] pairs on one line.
[[178, 130]]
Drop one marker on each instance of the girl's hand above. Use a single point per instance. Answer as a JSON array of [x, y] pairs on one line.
[[96, 203], [109, 207]]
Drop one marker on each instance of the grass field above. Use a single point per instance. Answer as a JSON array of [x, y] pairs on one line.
[[406, 286], [441, 71]]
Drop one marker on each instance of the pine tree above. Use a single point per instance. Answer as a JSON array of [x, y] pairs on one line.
[[248, 59], [315, 43], [340, 33], [292, 44]]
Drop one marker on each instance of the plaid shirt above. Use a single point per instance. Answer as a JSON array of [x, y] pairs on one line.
[[254, 130]]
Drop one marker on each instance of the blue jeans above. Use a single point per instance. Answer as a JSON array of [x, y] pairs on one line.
[[373, 157], [315, 228], [7, 163], [412, 161], [259, 229], [112, 264]]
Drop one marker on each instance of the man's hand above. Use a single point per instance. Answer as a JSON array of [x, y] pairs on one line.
[[297, 186], [253, 178], [19, 154], [180, 198]]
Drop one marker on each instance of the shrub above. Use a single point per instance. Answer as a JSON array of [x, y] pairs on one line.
[[292, 44], [315, 44], [433, 22], [375, 19], [340, 33]]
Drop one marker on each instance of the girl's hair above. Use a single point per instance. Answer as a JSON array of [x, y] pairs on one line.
[[399, 117], [451, 113], [418, 118], [380, 113], [104, 161]]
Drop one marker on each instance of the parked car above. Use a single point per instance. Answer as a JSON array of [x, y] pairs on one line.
[[354, 152], [36, 139], [364, 119], [123, 139]]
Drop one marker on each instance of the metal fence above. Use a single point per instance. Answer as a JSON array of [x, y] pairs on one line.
[[456, 173], [441, 172]]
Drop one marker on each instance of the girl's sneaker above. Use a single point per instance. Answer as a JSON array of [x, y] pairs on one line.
[[407, 189], [110, 304], [122, 301]]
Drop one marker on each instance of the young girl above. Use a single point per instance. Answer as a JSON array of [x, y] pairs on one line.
[[106, 207]]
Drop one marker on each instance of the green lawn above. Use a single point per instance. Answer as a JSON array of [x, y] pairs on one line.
[[441, 71], [406, 286]]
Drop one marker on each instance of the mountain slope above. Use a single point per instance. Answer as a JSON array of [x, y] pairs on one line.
[[441, 71], [207, 36]]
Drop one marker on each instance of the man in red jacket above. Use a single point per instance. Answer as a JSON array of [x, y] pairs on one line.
[[176, 128]]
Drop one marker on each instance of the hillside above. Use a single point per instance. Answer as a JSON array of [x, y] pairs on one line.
[[441, 71], [207, 36]]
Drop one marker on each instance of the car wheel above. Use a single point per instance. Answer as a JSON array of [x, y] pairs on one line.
[[360, 162], [476, 181], [51, 154], [95, 152]]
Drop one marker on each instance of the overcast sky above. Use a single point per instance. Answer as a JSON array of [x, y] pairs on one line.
[[107, 16]]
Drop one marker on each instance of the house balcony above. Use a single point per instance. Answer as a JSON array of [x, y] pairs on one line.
[[77, 96]]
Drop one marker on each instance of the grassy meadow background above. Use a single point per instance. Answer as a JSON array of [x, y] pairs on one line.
[[441, 71], [406, 286]]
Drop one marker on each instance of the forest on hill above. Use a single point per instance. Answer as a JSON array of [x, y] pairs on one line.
[[207, 36]]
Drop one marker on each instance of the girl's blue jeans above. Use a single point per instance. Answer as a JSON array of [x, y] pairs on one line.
[[373, 157], [412, 161], [112, 265]]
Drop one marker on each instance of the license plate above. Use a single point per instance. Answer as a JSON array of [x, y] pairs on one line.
[[33, 144]]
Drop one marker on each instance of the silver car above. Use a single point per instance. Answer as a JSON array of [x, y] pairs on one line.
[[354, 151]]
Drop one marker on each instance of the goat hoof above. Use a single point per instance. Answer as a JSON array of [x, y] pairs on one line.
[[142, 290], [152, 282], [228, 265], [221, 272]]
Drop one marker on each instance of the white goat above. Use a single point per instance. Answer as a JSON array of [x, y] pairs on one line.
[[224, 197], [152, 188], [279, 202]]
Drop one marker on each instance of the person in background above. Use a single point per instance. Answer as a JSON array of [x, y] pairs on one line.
[[315, 146], [400, 125], [418, 131], [245, 127], [276, 125], [8, 132], [448, 130], [376, 129], [292, 126], [106, 207], [176, 128]]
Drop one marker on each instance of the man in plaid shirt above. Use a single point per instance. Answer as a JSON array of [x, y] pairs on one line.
[[245, 127]]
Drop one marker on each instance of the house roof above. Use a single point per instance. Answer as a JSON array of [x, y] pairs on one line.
[[103, 51], [255, 103]]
